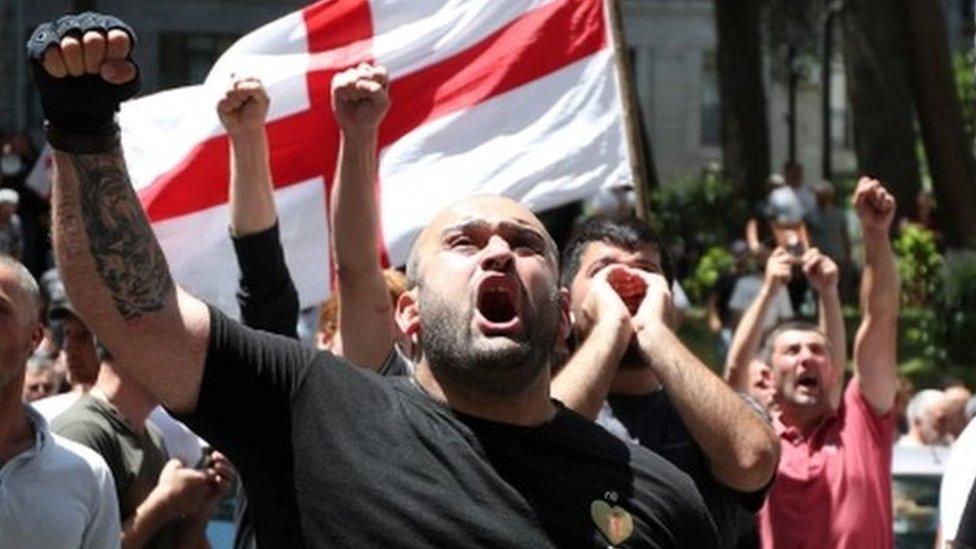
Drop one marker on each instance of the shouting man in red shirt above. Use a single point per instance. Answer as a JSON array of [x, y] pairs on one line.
[[833, 486]]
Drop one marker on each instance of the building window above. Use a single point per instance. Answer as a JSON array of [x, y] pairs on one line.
[[710, 110], [186, 58]]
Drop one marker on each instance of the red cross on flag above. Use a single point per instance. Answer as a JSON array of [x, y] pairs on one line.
[[515, 97]]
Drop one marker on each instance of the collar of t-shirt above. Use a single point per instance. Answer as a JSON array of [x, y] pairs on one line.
[[795, 436], [42, 438], [481, 424]]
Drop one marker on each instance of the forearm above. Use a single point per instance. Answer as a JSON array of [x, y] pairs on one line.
[[832, 324], [741, 447], [266, 294], [151, 515], [879, 284], [365, 308], [117, 278], [746, 340], [583, 383], [875, 347], [191, 533], [251, 199]]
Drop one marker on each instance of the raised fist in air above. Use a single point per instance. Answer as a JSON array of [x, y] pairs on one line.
[[244, 106], [360, 98], [875, 206], [83, 68]]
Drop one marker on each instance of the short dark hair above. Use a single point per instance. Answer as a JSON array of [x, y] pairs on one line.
[[766, 352], [629, 233]]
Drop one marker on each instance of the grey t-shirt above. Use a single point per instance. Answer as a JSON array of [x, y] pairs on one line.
[[135, 460]]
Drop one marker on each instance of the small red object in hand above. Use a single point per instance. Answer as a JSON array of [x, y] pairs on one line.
[[630, 287]]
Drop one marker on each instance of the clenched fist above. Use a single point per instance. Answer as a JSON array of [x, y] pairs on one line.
[[360, 98], [244, 106], [83, 68], [874, 205]]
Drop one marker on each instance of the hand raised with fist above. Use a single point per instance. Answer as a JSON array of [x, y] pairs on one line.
[[360, 98], [83, 68], [244, 107], [875, 206]]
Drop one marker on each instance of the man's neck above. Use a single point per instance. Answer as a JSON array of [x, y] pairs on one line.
[[134, 405], [16, 434], [530, 408], [805, 422]]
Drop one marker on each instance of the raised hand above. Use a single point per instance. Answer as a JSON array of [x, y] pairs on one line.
[[244, 106], [360, 98], [874, 205], [83, 69], [611, 291], [820, 270], [657, 307], [779, 268]]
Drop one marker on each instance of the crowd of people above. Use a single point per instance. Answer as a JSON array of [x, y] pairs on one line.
[[498, 392]]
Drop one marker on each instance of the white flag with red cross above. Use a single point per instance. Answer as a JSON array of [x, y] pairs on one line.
[[514, 97]]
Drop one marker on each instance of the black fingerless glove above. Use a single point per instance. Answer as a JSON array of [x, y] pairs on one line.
[[79, 111]]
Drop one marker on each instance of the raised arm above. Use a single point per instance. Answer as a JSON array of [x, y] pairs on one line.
[[583, 383], [360, 100], [875, 353], [741, 447], [748, 334], [266, 294], [112, 266], [242, 112], [822, 274]]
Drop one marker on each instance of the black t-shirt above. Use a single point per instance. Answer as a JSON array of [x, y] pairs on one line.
[[652, 421], [332, 455]]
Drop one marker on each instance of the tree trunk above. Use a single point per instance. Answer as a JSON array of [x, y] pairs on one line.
[[880, 93], [948, 149], [745, 128]]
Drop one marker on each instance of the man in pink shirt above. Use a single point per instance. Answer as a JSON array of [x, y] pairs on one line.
[[833, 485]]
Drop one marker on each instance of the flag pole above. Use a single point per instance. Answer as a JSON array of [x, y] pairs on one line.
[[631, 110]]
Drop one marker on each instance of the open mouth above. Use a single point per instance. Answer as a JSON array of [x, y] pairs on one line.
[[808, 380], [498, 305]]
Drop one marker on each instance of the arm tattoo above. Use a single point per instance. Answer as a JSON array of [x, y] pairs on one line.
[[125, 250]]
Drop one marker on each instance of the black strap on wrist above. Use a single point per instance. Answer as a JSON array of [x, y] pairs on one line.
[[107, 139]]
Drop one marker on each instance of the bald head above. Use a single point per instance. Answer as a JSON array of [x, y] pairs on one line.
[[21, 287], [488, 209]]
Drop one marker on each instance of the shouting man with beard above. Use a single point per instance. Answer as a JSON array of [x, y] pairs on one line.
[[469, 452]]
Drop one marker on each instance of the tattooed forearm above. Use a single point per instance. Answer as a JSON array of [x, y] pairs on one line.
[[127, 256]]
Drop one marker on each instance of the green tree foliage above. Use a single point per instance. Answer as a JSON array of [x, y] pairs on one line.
[[698, 213], [713, 264], [919, 265]]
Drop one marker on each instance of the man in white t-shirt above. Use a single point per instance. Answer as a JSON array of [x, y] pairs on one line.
[[53, 492]]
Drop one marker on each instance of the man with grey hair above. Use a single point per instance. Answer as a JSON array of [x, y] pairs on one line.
[[470, 451], [56, 493], [926, 420]]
